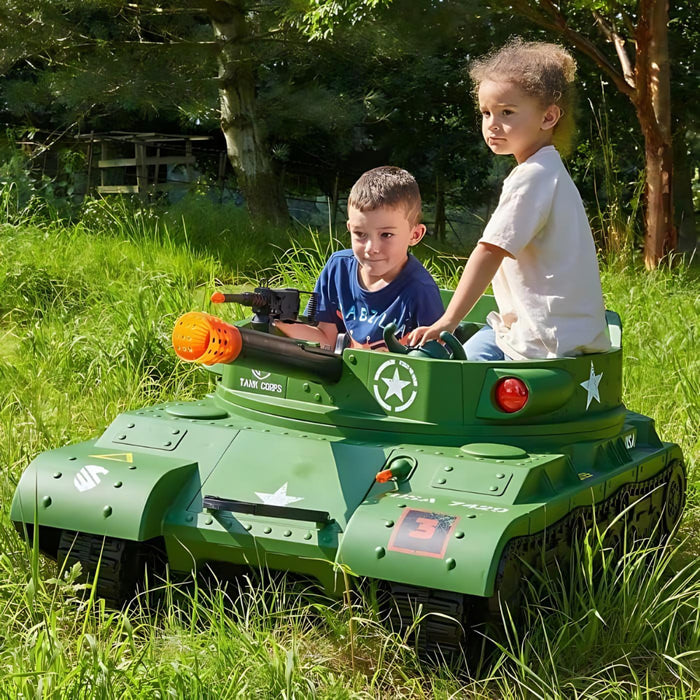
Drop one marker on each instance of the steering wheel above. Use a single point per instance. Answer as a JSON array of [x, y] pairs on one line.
[[432, 348]]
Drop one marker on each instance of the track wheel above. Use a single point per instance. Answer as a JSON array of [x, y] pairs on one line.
[[121, 563], [674, 497]]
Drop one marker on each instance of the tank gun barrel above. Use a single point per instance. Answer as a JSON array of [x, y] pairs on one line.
[[271, 304], [251, 299], [206, 339]]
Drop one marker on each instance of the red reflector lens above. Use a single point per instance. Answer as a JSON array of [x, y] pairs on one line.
[[511, 394]]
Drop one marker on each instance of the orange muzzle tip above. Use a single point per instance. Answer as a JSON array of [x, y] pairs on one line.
[[206, 339]]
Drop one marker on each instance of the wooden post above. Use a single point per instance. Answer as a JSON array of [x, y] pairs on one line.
[[157, 167], [141, 169], [104, 149], [89, 163]]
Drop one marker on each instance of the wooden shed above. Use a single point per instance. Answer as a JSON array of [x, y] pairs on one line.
[[127, 162]]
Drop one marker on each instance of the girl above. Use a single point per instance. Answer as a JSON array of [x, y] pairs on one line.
[[537, 248]]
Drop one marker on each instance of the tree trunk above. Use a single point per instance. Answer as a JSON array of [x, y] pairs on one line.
[[243, 131], [660, 233], [653, 103]]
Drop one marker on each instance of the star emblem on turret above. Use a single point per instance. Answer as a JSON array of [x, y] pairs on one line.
[[591, 386], [400, 384], [395, 385]]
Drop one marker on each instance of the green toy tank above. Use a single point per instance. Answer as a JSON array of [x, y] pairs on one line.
[[443, 478]]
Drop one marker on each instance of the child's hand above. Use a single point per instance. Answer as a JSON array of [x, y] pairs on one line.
[[423, 334]]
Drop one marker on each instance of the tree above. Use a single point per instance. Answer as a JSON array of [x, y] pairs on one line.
[[638, 32], [155, 56], [243, 129]]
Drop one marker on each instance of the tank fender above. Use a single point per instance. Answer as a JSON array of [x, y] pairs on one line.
[[82, 488], [425, 542]]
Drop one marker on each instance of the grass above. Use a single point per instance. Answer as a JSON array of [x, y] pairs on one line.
[[87, 311]]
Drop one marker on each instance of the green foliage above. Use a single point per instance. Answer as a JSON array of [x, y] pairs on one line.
[[616, 217]]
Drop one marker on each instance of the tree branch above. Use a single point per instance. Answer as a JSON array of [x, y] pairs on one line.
[[619, 43], [558, 23]]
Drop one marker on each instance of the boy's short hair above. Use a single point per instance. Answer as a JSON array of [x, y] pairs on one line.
[[387, 186]]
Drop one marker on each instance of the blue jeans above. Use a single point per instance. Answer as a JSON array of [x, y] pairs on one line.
[[481, 347]]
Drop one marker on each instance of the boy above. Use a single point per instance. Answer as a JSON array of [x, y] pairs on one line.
[[376, 282]]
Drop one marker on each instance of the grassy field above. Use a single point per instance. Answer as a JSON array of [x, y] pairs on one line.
[[87, 311]]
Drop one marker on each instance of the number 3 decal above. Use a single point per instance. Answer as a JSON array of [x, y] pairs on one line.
[[422, 533], [425, 530]]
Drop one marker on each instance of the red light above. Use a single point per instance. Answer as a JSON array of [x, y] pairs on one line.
[[511, 394]]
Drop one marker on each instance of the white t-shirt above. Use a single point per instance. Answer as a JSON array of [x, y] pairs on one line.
[[550, 302]]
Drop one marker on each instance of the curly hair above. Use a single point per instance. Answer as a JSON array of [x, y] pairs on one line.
[[387, 186], [541, 70]]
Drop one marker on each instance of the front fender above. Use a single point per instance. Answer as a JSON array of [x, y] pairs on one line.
[[422, 541], [84, 488]]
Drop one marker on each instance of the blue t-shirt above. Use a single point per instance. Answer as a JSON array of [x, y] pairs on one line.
[[409, 301]]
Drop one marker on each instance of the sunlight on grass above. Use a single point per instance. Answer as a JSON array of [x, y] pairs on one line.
[[87, 314]]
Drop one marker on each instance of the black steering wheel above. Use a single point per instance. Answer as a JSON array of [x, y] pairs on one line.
[[433, 348]]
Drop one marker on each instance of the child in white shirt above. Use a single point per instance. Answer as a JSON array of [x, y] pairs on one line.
[[537, 248]]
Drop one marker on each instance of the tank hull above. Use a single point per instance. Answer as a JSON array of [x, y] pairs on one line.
[[446, 525]]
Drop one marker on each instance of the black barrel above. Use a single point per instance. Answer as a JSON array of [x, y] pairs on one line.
[[288, 356]]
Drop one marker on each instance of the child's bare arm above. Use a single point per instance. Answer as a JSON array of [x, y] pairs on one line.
[[325, 333], [482, 265]]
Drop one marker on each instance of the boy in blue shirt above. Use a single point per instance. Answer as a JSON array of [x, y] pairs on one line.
[[376, 282]]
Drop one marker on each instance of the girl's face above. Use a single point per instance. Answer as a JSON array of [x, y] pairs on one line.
[[514, 123]]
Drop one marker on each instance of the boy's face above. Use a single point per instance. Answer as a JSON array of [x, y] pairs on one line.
[[380, 242], [514, 123]]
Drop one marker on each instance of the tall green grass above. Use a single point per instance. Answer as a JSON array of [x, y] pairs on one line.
[[87, 311]]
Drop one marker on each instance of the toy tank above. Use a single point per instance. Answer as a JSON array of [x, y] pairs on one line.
[[444, 479]]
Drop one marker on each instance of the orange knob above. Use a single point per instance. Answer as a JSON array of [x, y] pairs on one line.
[[203, 338]]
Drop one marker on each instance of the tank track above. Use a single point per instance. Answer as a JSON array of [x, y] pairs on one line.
[[121, 563], [444, 617], [439, 631]]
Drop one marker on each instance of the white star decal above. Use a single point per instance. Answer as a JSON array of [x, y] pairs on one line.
[[591, 386], [278, 498], [395, 385]]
